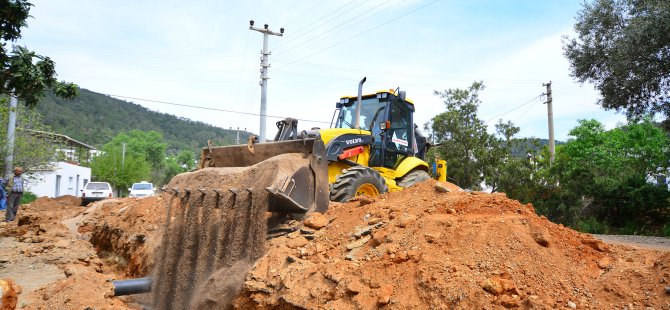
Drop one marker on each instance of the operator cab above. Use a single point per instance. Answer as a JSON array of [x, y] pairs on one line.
[[389, 117]]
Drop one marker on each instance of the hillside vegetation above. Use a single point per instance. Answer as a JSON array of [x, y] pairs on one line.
[[96, 118]]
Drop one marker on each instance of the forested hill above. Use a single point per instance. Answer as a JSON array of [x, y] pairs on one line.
[[95, 119]]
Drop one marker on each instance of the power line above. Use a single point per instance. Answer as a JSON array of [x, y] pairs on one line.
[[514, 109], [320, 36], [211, 109], [321, 20], [364, 32]]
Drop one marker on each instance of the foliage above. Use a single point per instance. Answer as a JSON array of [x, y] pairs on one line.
[[591, 225], [183, 162], [623, 47], [95, 119], [24, 73], [30, 152], [28, 197], [606, 175], [109, 167], [462, 135], [148, 145]]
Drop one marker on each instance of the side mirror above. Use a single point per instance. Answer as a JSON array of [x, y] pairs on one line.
[[402, 94], [130, 189], [385, 125]]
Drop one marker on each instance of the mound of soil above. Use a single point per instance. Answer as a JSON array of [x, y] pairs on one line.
[[434, 247], [429, 246]]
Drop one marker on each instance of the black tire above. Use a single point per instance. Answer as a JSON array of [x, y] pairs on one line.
[[351, 180], [413, 177]]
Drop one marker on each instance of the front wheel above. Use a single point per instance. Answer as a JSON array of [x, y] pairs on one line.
[[413, 177], [357, 181]]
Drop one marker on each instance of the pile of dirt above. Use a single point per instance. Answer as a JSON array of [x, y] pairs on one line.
[[429, 246], [434, 246]]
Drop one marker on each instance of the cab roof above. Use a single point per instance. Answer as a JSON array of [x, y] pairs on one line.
[[391, 92]]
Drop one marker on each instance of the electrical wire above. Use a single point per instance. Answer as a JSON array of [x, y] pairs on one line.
[[329, 32], [514, 109], [360, 34], [210, 109]]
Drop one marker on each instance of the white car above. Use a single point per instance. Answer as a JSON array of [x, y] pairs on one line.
[[94, 191], [141, 189]]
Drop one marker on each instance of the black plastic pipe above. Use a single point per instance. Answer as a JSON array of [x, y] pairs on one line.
[[132, 286]]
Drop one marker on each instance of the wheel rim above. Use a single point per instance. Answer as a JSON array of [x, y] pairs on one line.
[[367, 189]]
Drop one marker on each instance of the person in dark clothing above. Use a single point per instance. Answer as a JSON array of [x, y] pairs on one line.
[[15, 186]]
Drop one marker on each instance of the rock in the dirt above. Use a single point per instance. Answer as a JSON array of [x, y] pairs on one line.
[[406, 219], [432, 237], [596, 244], [307, 231], [358, 243], [8, 294], [297, 242], [572, 305], [451, 211], [667, 289], [363, 231], [442, 188], [316, 221], [53, 289], [605, 262], [362, 200], [540, 235], [384, 294]]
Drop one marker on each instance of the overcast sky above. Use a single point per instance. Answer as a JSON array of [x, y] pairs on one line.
[[202, 53]]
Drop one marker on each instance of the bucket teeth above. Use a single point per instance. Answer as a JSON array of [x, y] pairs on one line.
[[207, 230]]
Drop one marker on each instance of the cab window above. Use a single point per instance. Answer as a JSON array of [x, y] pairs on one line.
[[399, 140]]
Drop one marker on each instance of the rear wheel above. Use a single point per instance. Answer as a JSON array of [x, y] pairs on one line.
[[357, 181], [413, 177]]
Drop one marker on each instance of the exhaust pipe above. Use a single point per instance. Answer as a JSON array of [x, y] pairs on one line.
[[358, 104], [132, 286]]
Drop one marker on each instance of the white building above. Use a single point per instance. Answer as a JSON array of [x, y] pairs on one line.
[[65, 177], [61, 179]]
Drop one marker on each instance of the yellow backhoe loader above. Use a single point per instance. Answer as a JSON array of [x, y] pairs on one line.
[[220, 215], [373, 146]]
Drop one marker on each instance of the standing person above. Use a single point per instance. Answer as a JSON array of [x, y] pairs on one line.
[[3, 195], [15, 187]]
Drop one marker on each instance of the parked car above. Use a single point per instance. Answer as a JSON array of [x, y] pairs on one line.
[[94, 191], [141, 189]]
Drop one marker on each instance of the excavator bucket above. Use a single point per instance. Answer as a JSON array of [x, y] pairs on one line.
[[220, 215], [298, 187]]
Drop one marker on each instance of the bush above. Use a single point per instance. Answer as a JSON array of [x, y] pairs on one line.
[[591, 225], [28, 197]]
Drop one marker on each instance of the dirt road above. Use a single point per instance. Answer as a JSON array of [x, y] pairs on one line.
[[644, 242]]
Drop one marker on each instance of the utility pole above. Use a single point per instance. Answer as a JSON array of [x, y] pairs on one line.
[[264, 72], [550, 117], [11, 130]]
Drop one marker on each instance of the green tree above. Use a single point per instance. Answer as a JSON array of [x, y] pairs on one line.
[[605, 175], [183, 162], [622, 47], [118, 170], [31, 152], [148, 145], [463, 139], [508, 172]]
